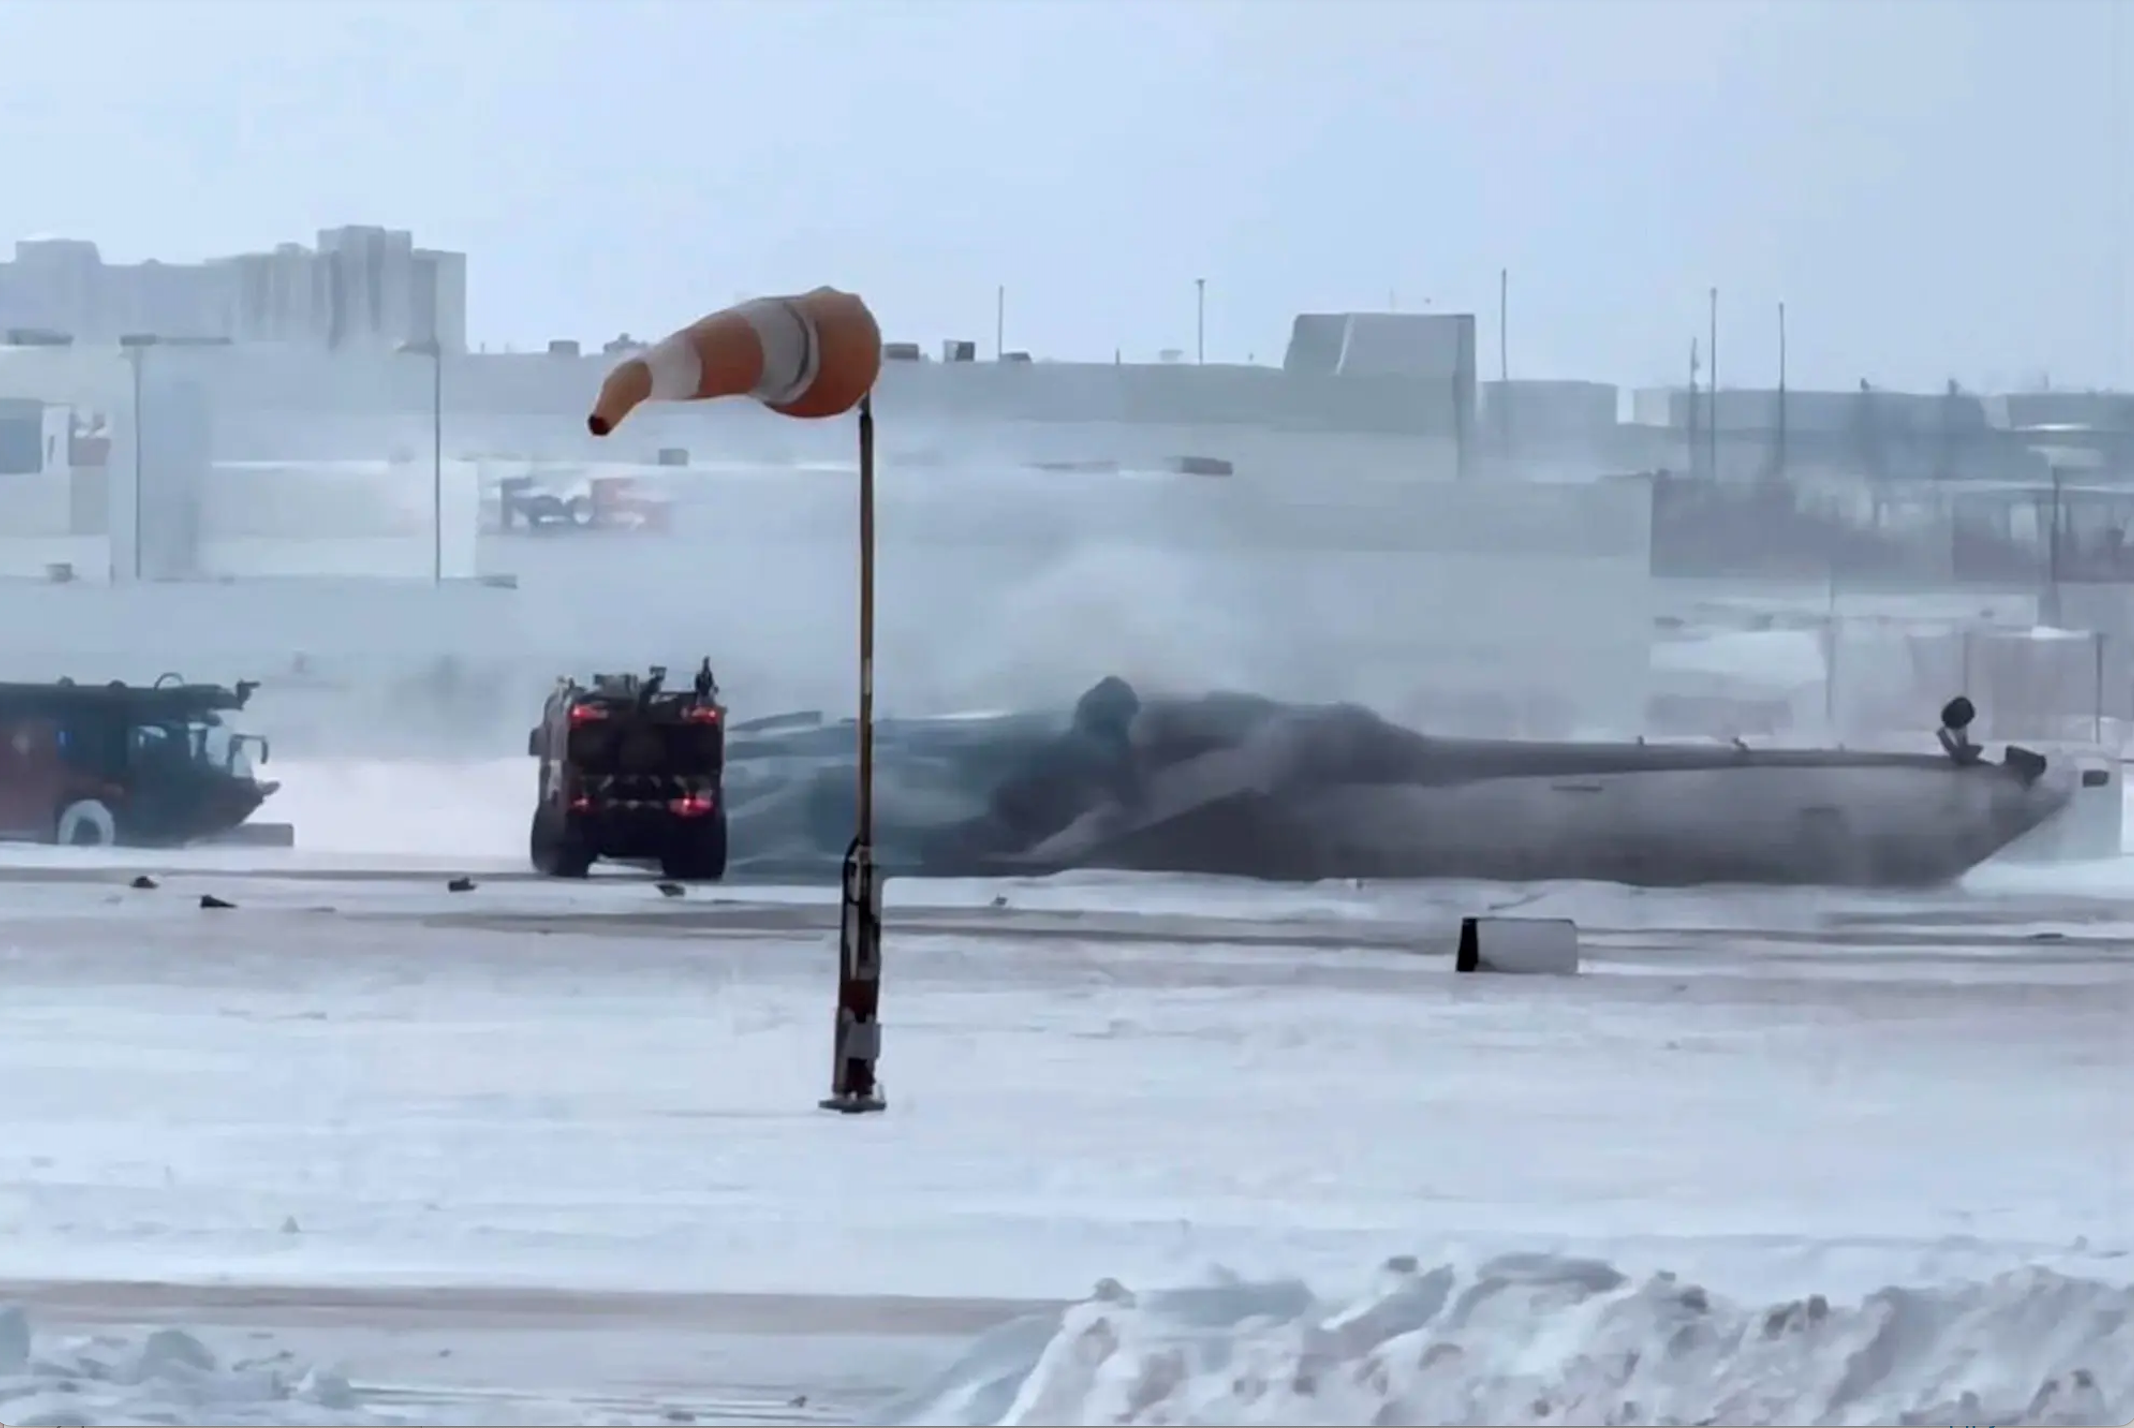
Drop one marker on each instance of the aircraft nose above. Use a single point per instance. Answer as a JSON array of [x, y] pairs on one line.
[[2019, 807]]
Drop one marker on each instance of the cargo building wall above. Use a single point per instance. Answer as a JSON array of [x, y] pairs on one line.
[[264, 389]]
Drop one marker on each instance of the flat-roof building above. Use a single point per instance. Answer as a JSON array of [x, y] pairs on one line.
[[359, 287]]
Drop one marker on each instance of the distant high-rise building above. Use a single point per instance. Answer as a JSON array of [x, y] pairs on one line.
[[441, 297], [360, 287], [275, 296]]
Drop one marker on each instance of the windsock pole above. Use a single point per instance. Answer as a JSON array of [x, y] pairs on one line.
[[811, 355], [857, 1042]]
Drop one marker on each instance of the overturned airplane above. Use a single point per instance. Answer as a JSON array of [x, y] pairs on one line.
[[1237, 785]]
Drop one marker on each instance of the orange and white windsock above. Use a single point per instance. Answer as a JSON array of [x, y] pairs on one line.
[[811, 355]]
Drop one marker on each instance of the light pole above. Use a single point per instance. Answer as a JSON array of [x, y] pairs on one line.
[[1200, 321], [1504, 359], [1711, 355], [135, 345], [435, 351], [1781, 390]]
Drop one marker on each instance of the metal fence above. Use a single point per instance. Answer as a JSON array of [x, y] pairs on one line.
[[2042, 686]]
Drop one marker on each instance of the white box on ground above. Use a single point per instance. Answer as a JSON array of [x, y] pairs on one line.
[[1518, 946]]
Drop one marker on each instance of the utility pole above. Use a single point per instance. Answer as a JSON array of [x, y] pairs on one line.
[[1504, 359], [1200, 320], [434, 350], [2049, 606], [1711, 433], [1695, 413], [1781, 390], [1000, 323], [135, 345], [437, 462]]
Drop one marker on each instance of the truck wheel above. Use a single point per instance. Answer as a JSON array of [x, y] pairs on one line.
[[697, 855], [557, 849], [86, 823]]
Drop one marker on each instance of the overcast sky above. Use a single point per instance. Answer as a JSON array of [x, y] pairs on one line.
[[1934, 187]]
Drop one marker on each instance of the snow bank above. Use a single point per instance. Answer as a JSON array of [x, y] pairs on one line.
[[167, 1376], [1540, 1339]]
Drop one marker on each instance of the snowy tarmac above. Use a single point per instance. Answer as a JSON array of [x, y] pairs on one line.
[[534, 1144]]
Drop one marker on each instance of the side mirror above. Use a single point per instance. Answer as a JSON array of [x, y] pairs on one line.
[[533, 743]]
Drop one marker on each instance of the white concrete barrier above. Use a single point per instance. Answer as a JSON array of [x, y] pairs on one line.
[[1518, 946]]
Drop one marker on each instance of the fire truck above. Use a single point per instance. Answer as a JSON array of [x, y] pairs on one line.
[[96, 765]]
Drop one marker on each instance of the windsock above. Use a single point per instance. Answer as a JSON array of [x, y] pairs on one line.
[[812, 355]]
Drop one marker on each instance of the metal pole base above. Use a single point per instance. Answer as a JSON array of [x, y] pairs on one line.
[[858, 1039]]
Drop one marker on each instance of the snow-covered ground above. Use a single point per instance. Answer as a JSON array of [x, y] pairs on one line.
[[537, 1151]]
